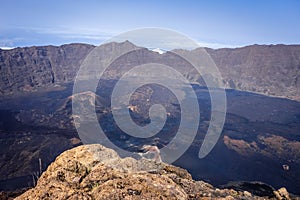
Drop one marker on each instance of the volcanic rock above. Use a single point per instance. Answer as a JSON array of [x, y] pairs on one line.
[[96, 172]]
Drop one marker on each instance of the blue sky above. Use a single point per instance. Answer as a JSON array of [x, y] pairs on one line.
[[213, 23]]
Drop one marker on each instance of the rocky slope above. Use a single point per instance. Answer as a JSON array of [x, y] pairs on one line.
[[269, 69], [96, 172], [27, 69]]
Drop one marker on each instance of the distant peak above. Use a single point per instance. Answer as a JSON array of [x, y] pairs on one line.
[[119, 43], [127, 41]]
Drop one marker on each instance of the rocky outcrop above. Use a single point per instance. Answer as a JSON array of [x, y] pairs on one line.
[[96, 172], [268, 69]]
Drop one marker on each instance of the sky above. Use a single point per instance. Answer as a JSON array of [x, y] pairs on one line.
[[212, 23]]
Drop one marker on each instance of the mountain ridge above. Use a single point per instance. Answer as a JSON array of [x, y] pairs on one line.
[[266, 69]]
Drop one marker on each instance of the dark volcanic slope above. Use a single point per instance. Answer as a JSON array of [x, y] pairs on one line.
[[26, 69], [272, 70], [269, 69], [261, 134]]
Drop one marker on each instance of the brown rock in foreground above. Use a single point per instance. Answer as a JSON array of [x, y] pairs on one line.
[[96, 172]]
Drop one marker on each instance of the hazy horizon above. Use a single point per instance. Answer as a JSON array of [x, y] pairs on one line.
[[157, 49], [213, 24]]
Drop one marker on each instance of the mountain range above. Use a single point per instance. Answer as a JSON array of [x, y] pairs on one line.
[[267, 69]]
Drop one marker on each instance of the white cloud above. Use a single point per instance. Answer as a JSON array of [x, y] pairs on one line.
[[217, 45], [8, 43], [67, 33], [158, 50], [78, 33], [7, 48]]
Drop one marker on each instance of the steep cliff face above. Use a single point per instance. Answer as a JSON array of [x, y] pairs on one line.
[[268, 69], [96, 172], [29, 68]]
